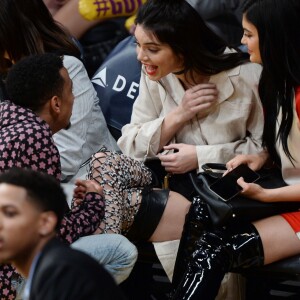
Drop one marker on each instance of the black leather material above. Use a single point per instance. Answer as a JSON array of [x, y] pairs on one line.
[[150, 212], [180, 183], [205, 271], [195, 221], [241, 208], [215, 254]]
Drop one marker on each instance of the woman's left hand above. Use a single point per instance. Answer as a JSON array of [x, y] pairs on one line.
[[182, 160]]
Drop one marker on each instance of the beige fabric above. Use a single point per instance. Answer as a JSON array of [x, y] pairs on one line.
[[166, 253], [232, 127], [232, 286]]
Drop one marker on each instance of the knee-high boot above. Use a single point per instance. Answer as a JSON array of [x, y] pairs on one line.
[[217, 253], [195, 221]]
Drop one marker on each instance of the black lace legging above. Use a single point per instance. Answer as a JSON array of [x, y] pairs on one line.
[[123, 179]]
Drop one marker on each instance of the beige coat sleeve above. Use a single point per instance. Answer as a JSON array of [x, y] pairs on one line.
[[141, 136]]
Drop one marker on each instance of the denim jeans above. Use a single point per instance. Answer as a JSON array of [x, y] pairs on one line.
[[113, 251]]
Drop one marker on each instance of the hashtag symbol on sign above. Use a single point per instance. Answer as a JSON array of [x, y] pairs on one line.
[[101, 7]]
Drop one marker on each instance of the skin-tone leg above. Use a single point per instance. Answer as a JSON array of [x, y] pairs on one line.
[[172, 221], [278, 238]]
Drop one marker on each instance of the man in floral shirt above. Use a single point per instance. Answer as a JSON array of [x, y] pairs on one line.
[[41, 103]]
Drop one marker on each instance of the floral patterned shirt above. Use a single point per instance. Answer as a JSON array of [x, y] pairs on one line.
[[26, 141]]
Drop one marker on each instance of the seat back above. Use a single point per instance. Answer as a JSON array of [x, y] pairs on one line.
[[117, 85], [279, 280]]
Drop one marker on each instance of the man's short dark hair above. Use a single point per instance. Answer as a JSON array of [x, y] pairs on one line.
[[42, 189], [32, 81]]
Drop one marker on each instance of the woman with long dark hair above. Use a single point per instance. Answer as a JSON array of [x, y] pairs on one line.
[[269, 35], [196, 96]]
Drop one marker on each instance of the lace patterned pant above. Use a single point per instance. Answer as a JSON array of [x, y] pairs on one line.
[[122, 179]]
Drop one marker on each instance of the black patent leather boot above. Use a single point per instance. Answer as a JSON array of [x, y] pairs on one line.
[[246, 248], [195, 221], [216, 254]]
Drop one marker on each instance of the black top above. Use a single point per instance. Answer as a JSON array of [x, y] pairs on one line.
[[63, 273]]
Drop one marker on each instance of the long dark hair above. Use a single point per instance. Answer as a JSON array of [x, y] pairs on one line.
[[177, 23], [27, 28], [279, 44]]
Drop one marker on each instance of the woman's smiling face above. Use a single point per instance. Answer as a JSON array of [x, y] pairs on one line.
[[251, 40], [158, 58]]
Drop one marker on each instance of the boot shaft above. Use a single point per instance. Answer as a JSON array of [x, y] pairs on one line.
[[195, 221], [216, 253]]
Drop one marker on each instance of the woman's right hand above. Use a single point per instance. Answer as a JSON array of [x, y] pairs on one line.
[[254, 161], [197, 100]]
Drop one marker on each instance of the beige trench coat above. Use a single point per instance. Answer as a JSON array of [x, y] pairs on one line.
[[233, 126]]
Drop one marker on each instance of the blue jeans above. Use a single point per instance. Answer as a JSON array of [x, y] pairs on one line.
[[113, 251]]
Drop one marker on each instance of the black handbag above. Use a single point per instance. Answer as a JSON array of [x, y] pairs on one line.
[[239, 208], [180, 183]]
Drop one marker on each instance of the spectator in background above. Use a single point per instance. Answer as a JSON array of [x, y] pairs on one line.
[[97, 36], [27, 28]]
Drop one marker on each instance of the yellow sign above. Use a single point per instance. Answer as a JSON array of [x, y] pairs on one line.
[[105, 9]]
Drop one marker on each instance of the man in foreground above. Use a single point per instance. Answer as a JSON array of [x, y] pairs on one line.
[[31, 209]]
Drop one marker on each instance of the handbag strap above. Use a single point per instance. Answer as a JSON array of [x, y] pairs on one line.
[[215, 170]]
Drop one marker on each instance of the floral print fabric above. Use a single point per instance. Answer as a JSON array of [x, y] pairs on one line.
[[26, 141]]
